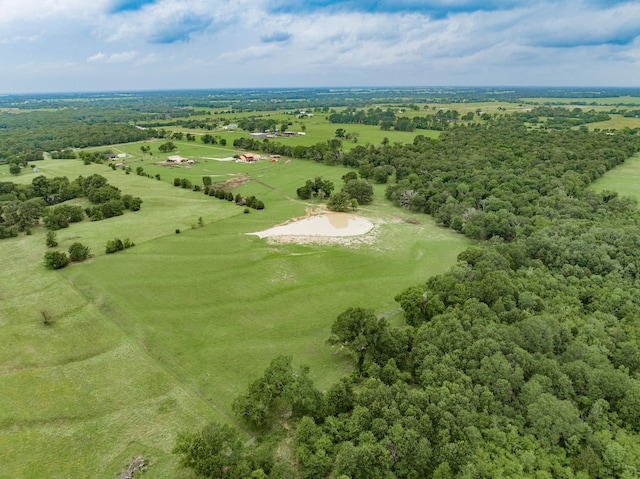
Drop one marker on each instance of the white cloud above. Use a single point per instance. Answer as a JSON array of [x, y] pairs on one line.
[[34, 11], [514, 44], [122, 57], [113, 58], [97, 57]]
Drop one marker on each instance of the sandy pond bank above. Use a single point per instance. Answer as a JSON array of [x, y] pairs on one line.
[[322, 227]]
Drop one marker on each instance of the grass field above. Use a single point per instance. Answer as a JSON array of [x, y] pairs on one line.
[[162, 336], [586, 102], [615, 123], [625, 179]]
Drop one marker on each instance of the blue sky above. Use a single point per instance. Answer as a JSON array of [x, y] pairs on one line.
[[98, 45]]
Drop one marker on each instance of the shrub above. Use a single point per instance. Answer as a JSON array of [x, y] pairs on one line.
[[74, 213], [255, 203], [126, 200], [95, 214], [8, 232], [54, 221], [176, 181], [112, 208], [135, 204], [117, 244], [113, 246], [51, 239], [56, 259], [339, 202], [78, 252]]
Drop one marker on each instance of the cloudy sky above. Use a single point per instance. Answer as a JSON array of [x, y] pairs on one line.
[[104, 45]]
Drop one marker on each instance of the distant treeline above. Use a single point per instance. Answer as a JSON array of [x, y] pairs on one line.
[[24, 136], [444, 118], [181, 104], [390, 118]]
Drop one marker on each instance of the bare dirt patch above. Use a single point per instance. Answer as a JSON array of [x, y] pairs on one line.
[[231, 183], [319, 226]]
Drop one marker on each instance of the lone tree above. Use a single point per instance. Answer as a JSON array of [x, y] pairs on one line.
[[14, 169], [361, 190], [339, 202]]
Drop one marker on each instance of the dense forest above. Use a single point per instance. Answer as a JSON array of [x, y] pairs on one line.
[[522, 361], [25, 136]]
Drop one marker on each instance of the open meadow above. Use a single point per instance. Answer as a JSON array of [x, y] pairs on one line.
[[108, 359], [615, 123], [625, 179]]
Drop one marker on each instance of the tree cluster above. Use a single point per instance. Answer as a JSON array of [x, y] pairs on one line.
[[23, 206], [107, 198], [562, 118], [318, 187], [167, 147], [390, 118]]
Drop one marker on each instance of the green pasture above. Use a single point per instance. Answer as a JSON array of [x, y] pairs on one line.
[[617, 122], [162, 336], [625, 179], [585, 102]]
